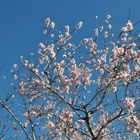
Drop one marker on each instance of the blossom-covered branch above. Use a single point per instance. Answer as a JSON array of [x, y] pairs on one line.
[[77, 88]]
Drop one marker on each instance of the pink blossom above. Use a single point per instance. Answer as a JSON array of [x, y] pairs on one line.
[[129, 25], [108, 16], [124, 39], [67, 28], [52, 25], [68, 45], [129, 102], [47, 21], [79, 25], [50, 124]]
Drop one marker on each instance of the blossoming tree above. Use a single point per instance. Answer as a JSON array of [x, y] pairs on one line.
[[77, 90]]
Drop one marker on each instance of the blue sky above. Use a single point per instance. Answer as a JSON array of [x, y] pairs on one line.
[[21, 22]]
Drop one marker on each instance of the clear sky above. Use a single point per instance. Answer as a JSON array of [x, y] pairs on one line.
[[21, 21]]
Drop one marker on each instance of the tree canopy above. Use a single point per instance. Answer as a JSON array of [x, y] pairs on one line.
[[77, 89]]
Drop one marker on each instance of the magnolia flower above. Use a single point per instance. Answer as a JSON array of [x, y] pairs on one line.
[[15, 66], [52, 25], [105, 34], [67, 88], [67, 34], [35, 70], [26, 115], [118, 51], [124, 29], [86, 40], [41, 45], [21, 88], [47, 21], [93, 45], [52, 35], [68, 45], [125, 34], [96, 31], [50, 124], [129, 102], [129, 25], [108, 16], [12, 96], [15, 77], [133, 44], [53, 54], [110, 26], [124, 39], [45, 32], [67, 28], [26, 123], [26, 63], [79, 25], [101, 28]]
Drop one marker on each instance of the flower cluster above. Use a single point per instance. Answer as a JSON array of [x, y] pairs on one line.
[[73, 88]]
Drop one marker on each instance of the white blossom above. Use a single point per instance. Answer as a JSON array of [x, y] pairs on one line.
[[52, 25], [67, 28], [108, 16], [129, 25], [79, 25], [47, 21]]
